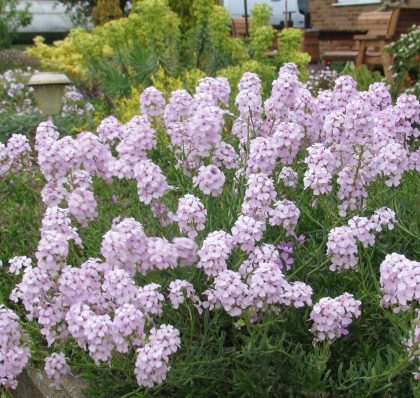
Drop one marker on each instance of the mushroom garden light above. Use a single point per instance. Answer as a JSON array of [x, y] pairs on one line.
[[49, 90]]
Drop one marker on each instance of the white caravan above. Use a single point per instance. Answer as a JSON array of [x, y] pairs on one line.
[[296, 10]]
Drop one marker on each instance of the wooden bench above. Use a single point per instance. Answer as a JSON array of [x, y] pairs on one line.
[[239, 27], [383, 27], [402, 19], [374, 23]]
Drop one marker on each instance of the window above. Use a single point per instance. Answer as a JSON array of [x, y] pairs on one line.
[[355, 2]]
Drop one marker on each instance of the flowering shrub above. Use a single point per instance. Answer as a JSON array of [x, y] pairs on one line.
[[14, 59], [184, 255], [406, 67]]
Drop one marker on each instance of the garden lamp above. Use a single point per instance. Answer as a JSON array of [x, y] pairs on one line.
[[286, 17], [49, 91]]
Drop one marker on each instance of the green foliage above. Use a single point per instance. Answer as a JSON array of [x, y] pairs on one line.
[[262, 34], [202, 11], [362, 75], [212, 46], [26, 124], [14, 17], [113, 54], [116, 83], [391, 4], [406, 66], [184, 9], [5, 42], [289, 41], [261, 14], [80, 11], [159, 25]]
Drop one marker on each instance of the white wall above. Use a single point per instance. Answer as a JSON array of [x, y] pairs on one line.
[[48, 16]]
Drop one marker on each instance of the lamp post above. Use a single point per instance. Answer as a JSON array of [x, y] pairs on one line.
[[286, 21], [49, 91], [246, 18]]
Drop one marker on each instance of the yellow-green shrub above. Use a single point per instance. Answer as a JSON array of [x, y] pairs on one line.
[[262, 34], [289, 42], [62, 56], [105, 11], [220, 33]]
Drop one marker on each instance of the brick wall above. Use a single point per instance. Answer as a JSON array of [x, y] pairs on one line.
[[326, 16]]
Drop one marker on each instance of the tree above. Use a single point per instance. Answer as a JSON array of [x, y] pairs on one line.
[[81, 10], [13, 17], [105, 11], [4, 36]]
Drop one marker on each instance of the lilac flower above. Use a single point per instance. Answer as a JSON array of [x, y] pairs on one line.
[[286, 261], [217, 87], [285, 214], [210, 180], [191, 214], [250, 81], [215, 251], [55, 367], [342, 247], [246, 231], [178, 107], [286, 246], [399, 281], [82, 205], [187, 251], [330, 316], [176, 296], [152, 102], [230, 292], [13, 345], [110, 129], [151, 183], [16, 263], [288, 176], [300, 239]]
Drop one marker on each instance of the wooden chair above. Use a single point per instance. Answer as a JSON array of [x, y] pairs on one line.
[[383, 27], [402, 19], [239, 27], [374, 23]]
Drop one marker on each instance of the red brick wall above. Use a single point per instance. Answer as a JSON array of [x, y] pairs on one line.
[[326, 16]]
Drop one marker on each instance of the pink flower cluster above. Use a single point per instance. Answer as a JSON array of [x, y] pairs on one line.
[[342, 245], [176, 296], [230, 292], [210, 180], [14, 350], [400, 281], [286, 214], [151, 364], [412, 342], [332, 316], [191, 215], [15, 155], [55, 367], [214, 252]]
